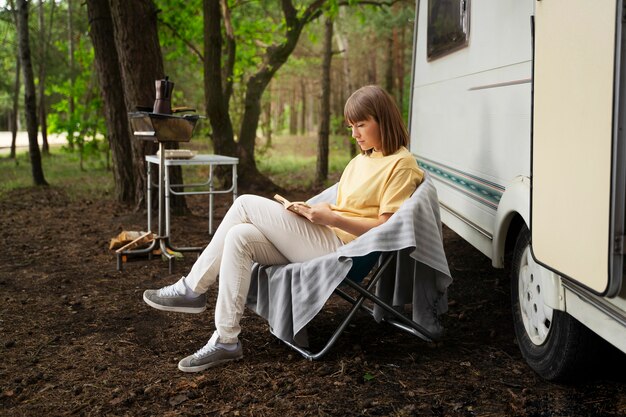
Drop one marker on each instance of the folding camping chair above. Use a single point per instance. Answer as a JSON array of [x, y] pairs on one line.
[[373, 265], [407, 262]]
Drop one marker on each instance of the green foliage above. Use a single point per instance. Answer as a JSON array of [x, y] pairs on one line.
[[338, 125], [258, 25], [7, 61], [181, 38], [84, 126], [368, 377]]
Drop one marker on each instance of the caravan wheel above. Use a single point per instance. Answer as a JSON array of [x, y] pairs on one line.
[[553, 343]]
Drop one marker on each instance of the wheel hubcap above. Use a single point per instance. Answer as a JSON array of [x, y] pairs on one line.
[[537, 317]]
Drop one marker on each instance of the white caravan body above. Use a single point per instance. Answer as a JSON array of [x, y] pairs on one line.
[[476, 120]]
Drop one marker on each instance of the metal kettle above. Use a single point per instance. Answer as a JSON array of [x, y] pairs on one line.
[[163, 103]]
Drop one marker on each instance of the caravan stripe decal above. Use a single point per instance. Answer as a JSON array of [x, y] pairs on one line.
[[479, 189]]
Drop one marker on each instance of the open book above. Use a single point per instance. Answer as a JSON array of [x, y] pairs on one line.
[[289, 205]]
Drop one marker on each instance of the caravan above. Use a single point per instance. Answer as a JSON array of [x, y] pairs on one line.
[[517, 111]]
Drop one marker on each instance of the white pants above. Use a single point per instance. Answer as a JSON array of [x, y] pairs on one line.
[[255, 229]]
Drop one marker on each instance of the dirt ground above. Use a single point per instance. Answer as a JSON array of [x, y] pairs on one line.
[[77, 339]]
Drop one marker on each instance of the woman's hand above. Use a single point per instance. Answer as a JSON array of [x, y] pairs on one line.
[[320, 213]]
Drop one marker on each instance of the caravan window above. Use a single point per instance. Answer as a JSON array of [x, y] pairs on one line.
[[448, 26]]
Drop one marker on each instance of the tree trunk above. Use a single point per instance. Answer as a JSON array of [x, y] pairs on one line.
[[336, 99], [30, 96], [231, 49], [218, 81], [16, 105], [293, 113], [216, 99], [110, 79], [70, 45], [400, 68], [389, 64], [342, 43], [266, 124], [372, 70], [42, 78], [248, 171], [304, 108], [141, 63], [321, 172]]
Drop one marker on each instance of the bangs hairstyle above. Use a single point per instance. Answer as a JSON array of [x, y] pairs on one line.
[[373, 101]]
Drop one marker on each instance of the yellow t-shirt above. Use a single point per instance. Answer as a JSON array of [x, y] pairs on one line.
[[374, 184]]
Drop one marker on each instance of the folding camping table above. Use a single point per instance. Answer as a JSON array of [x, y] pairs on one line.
[[207, 187]]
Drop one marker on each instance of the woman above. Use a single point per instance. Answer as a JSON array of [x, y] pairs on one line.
[[255, 229]]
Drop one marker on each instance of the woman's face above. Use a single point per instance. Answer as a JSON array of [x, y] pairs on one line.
[[367, 134]]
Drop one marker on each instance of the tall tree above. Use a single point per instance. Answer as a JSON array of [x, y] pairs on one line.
[[303, 130], [348, 84], [321, 172], [71, 47], [389, 65], [110, 80], [141, 63], [16, 104], [30, 96], [273, 58], [399, 41], [217, 88], [266, 119], [293, 113], [42, 76]]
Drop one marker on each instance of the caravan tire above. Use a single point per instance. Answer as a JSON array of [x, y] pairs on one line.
[[552, 342]]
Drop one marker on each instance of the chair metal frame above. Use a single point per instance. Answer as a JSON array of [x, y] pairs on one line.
[[366, 292]]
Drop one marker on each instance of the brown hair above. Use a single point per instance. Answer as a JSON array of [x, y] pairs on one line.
[[373, 101]]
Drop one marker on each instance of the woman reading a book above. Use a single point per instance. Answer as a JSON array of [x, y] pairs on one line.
[[256, 229]]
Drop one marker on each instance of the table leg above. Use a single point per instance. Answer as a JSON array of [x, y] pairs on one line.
[[149, 195], [234, 182], [168, 217], [210, 199], [163, 236]]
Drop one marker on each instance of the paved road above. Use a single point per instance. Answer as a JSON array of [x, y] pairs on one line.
[[22, 141]]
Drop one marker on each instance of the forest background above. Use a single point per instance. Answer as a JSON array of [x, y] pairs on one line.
[[257, 69]]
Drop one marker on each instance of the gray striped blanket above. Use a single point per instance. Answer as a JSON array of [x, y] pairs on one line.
[[289, 296]]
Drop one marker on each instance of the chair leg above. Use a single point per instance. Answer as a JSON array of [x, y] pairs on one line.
[[357, 303], [365, 293], [342, 326], [398, 320]]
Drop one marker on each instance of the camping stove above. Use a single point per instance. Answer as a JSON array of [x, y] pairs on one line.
[[161, 124]]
